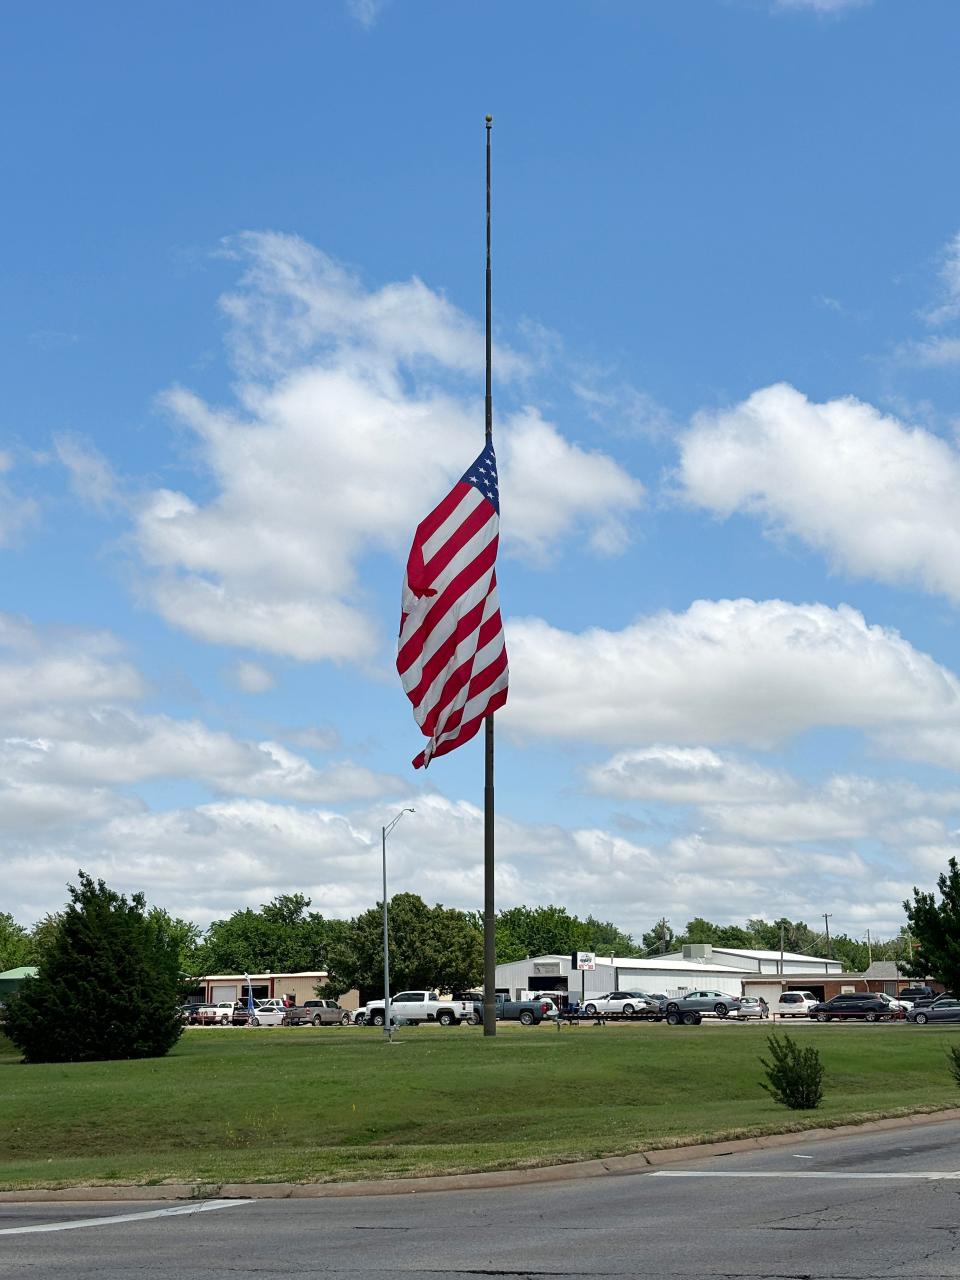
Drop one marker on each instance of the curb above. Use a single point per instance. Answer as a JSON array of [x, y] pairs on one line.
[[612, 1166]]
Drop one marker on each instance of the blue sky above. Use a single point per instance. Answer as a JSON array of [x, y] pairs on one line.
[[242, 357]]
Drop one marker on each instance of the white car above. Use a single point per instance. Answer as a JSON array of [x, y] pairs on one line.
[[795, 1004], [905, 1005], [267, 1016], [617, 1002]]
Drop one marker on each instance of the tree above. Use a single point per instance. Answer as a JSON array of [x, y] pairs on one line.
[[282, 937], [550, 930], [108, 985], [430, 947], [16, 946], [660, 938], [43, 934], [935, 927]]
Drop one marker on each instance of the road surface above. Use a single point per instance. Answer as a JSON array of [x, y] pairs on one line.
[[877, 1205]]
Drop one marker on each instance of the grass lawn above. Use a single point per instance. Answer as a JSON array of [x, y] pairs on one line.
[[305, 1104]]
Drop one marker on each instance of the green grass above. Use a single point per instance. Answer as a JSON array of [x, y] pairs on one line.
[[338, 1103]]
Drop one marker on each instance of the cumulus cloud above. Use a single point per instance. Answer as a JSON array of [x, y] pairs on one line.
[[60, 667], [325, 461], [724, 671], [687, 775], [876, 497]]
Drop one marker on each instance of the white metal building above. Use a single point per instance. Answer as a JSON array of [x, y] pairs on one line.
[[699, 966]]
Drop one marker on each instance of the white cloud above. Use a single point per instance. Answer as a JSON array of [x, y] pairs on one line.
[[687, 775], [67, 667], [251, 677], [111, 746], [339, 457], [820, 6], [876, 497], [949, 306], [932, 353], [16, 512], [91, 476], [746, 671], [366, 12]]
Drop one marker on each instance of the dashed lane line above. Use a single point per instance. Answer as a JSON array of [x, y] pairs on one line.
[[204, 1206]]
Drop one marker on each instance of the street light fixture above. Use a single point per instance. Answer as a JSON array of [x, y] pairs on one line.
[[387, 1020]]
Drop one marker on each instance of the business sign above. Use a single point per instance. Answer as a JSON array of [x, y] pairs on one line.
[[546, 969], [584, 960]]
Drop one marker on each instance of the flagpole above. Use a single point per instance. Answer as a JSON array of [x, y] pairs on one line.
[[489, 915]]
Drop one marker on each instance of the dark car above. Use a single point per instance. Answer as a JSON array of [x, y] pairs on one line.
[[946, 1009], [917, 995], [189, 1010], [863, 1004]]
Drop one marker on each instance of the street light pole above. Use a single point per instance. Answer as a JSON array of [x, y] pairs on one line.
[[387, 1022]]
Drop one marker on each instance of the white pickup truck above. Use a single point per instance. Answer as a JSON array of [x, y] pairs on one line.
[[421, 1006]]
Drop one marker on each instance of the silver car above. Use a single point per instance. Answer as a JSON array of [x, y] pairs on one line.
[[939, 1011], [719, 1002], [324, 1012]]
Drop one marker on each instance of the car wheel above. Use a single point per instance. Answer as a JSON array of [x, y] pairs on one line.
[[590, 1009], [672, 1007], [720, 1010], [628, 1008], [360, 1019], [446, 1019], [474, 1020], [871, 1017], [225, 1020], [345, 1020], [376, 1020], [922, 1019], [317, 1020], [254, 1022], [526, 1018], [822, 1017], [690, 1019], [673, 1017]]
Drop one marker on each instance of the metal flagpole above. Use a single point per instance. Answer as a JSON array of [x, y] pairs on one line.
[[489, 917]]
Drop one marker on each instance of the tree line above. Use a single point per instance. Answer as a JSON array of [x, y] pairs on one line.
[[442, 947]]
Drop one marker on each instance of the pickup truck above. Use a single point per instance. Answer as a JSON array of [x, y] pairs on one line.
[[527, 1012], [210, 1015], [421, 1006], [296, 1013]]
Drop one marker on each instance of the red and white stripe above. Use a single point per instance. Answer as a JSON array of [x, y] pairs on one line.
[[451, 654]]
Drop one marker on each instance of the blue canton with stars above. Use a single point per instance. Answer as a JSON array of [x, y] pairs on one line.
[[483, 476]]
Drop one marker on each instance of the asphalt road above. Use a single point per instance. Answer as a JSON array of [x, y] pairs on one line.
[[879, 1205]]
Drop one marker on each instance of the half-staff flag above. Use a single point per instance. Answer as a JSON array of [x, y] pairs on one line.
[[451, 654]]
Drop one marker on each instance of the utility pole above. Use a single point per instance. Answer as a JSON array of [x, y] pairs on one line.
[[869, 949], [827, 917], [781, 951]]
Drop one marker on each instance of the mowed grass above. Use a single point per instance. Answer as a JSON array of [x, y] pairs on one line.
[[305, 1104]]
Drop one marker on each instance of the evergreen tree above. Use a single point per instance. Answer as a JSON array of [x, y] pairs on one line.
[[108, 984], [936, 930]]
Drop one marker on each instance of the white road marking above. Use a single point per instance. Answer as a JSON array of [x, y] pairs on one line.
[[798, 1173], [204, 1206]]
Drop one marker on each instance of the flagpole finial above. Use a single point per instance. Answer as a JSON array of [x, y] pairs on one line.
[[489, 120]]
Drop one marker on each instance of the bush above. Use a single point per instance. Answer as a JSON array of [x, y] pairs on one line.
[[108, 985], [953, 1058], [795, 1075]]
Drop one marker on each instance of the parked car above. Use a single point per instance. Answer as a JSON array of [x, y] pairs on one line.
[[795, 1004], [209, 1015], [917, 995], [903, 1005], [269, 1016], [621, 1002], [750, 1007], [719, 1002], [869, 1005], [189, 1010], [943, 1010], [421, 1006], [326, 1013]]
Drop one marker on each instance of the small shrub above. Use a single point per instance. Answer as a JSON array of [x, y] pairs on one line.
[[795, 1075], [953, 1058]]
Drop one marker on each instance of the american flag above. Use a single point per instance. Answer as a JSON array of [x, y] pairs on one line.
[[451, 654]]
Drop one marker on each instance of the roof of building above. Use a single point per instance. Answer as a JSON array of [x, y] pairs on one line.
[[883, 969], [636, 962], [242, 977], [25, 971], [769, 955]]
